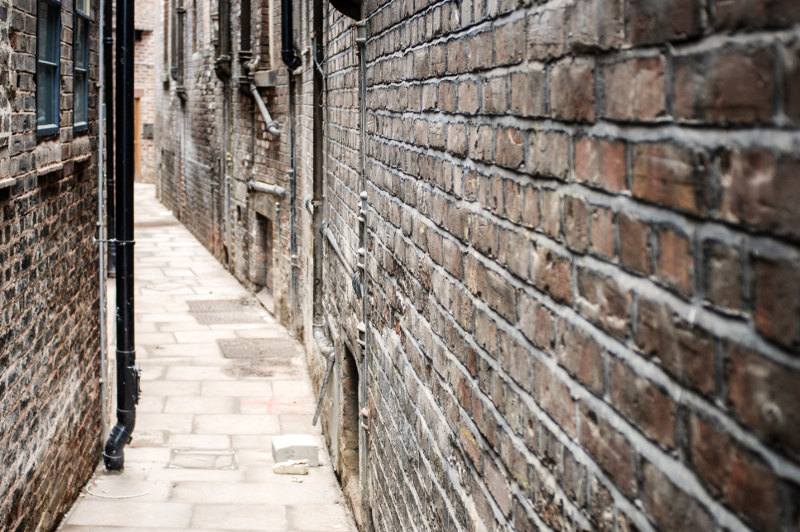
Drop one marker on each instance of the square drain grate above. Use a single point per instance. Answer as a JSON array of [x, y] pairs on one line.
[[257, 347], [223, 311], [202, 459]]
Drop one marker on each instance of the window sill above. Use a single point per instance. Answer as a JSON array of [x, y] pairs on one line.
[[8, 182], [49, 169]]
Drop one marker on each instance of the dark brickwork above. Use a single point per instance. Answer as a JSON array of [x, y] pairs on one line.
[[582, 258], [50, 397]]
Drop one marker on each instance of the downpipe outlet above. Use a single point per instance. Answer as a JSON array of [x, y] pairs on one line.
[[128, 379]]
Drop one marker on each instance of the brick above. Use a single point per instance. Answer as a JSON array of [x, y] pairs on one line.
[[649, 407], [602, 232], [743, 480], [572, 90], [764, 395], [776, 307], [595, 24], [634, 244], [760, 190], [536, 322], [480, 51], [468, 101], [548, 153], [685, 351], [529, 92], [546, 32], [601, 163], [575, 224], [581, 356], [635, 89], [509, 43], [668, 174], [552, 275], [722, 275], [493, 99], [510, 145], [753, 14], [675, 261], [657, 21], [554, 398], [670, 506], [603, 302], [481, 143], [609, 448], [728, 86], [457, 139]]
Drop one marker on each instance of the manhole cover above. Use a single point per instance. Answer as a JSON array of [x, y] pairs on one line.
[[202, 459], [256, 347], [222, 311]]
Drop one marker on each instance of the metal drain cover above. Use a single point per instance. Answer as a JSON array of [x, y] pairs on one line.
[[202, 459], [256, 347], [222, 311]]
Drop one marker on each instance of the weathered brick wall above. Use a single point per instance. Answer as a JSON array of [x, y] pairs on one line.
[[214, 143], [145, 56], [50, 404], [585, 267]]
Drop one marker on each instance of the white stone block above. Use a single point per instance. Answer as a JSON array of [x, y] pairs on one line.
[[288, 447]]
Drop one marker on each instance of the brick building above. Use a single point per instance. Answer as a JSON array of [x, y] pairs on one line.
[[551, 246], [144, 105], [50, 390]]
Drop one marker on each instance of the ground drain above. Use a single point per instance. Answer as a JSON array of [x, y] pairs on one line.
[[202, 459], [256, 348], [224, 311]]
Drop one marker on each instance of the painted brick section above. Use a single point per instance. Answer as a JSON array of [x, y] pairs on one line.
[[50, 396]]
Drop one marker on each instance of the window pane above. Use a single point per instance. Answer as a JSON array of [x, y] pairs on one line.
[[82, 6], [48, 32], [81, 44], [46, 95], [81, 97]]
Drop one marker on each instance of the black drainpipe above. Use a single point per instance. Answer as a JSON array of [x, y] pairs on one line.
[[127, 372], [287, 46], [108, 87]]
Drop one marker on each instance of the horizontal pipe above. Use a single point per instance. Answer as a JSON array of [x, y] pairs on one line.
[[275, 190], [272, 126]]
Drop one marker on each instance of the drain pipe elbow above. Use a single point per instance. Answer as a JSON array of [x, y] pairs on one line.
[[272, 126], [120, 436]]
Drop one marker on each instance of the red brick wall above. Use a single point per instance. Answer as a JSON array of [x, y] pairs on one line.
[[587, 269], [50, 404]]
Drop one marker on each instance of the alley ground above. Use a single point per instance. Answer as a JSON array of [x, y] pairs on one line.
[[201, 453]]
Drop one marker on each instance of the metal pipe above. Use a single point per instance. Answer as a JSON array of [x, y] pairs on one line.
[[272, 126], [127, 371], [288, 54], [275, 190], [101, 235], [363, 392], [336, 249], [108, 88]]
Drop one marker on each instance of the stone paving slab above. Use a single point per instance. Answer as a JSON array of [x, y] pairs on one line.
[[197, 401]]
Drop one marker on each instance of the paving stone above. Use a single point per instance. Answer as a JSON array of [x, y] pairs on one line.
[[145, 514], [240, 517]]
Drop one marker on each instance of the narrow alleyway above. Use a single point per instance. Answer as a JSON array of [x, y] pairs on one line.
[[220, 378]]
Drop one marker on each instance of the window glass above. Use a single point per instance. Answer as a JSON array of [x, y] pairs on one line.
[[80, 72], [48, 89]]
